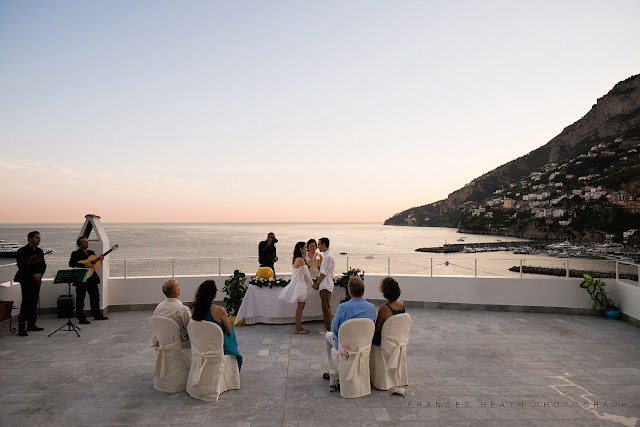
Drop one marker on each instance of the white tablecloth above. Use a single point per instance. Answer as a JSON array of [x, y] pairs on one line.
[[262, 305]]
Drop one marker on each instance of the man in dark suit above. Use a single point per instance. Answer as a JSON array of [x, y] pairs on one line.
[[31, 268], [90, 286], [267, 252]]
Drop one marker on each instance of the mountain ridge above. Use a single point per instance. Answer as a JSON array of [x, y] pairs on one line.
[[615, 117]]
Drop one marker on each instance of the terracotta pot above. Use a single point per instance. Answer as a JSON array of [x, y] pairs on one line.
[[5, 310]]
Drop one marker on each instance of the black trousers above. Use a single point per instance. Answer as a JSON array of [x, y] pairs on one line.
[[94, 299], [30, 296]]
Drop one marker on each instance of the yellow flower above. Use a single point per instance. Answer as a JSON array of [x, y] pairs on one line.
[[264, 273]]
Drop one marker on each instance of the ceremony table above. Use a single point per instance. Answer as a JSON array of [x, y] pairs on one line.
[[262, 305]]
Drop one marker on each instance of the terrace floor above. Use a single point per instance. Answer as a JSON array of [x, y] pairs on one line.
[[465, 367]]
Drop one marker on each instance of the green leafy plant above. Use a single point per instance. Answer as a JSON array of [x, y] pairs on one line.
[[595, 287], [235, 289], [343, 280]]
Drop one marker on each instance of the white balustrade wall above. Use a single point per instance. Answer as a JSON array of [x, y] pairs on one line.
[[550, 292]]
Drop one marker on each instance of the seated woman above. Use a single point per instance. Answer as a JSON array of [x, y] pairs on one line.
[[391, 291], [204, 309]]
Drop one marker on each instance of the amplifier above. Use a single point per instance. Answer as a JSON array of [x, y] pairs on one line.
[[65, 306]]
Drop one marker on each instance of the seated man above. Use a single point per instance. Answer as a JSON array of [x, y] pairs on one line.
[[356, 308], [173, 308]]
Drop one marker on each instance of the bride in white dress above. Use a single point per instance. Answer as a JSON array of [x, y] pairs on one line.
[[298, 288]]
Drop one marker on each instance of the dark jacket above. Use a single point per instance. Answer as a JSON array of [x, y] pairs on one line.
[[79, 255], [30, 262], [266, 254]]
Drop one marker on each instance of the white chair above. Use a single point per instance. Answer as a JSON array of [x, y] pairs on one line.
[[171, 369], [212, 372], [389, 361], [350, 363]]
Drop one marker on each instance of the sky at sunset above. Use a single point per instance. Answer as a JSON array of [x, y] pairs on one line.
[[268, 111]]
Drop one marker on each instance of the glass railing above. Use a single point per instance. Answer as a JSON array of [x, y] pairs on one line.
[[452, 265]]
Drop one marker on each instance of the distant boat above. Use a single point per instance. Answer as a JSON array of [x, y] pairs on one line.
[[461, 239], [9, 249], [343, 253], [562, 246]]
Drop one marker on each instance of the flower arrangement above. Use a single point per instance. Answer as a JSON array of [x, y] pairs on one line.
[[347, 349], [155, 344], [264, 273], [270, 283]]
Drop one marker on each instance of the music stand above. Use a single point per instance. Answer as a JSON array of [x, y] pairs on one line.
[[70, 276]]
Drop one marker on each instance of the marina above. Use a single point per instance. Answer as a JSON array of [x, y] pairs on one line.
[[605, 251]]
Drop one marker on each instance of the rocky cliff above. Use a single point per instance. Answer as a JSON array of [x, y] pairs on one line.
[[616, 115]]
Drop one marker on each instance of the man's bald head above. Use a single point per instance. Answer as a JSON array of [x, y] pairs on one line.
[[171, 288]]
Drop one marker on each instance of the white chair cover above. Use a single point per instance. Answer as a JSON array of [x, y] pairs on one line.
[[171, 368], [389, 360], [212, 372], [350, 363]]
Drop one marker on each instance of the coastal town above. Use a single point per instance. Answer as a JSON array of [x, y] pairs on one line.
[[590, 199], [561, 194]]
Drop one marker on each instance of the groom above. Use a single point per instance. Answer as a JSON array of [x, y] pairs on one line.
[[324, 282]]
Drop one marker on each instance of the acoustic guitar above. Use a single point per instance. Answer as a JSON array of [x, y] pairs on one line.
[[94, 262]]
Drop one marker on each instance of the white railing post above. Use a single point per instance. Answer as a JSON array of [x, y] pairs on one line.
[[617, 271], [475, 267], [173, 271], [125, 268], [11, 278], [219, 267], [388, 266], [521, 268], [566, 266], [431, 267], [347, 263]]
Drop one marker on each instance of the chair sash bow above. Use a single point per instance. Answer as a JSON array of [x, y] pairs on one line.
[[203, 357], [358, 360], [396, 355], [160, 369]]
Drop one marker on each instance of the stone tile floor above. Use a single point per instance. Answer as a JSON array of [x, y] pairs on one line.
[[465, 367]]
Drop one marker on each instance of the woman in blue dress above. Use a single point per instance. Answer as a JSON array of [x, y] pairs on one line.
[[204, 309]]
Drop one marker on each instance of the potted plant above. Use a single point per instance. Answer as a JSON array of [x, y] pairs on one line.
[[343, 280], [235, 289], [595, 287]]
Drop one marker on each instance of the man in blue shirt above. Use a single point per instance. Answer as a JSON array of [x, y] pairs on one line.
[[356, 308]]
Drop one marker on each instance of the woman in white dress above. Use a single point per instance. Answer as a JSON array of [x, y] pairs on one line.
[[313, 258], [298, 288]]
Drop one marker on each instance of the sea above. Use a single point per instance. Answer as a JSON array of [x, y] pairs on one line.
[[165, 249]]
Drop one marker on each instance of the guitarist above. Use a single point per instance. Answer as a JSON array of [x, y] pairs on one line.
[[90, 286], [31, 267]]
